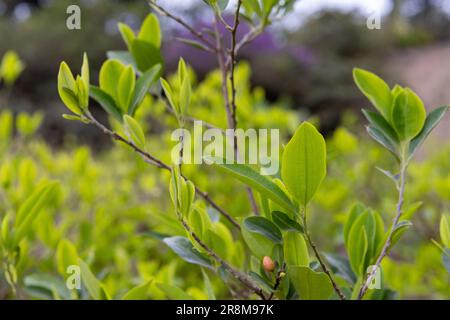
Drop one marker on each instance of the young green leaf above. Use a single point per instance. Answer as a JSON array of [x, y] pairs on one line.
[[151, 30], [356, 210], [304, 163], [379, 137], [170, 96], [85, 74], [32, 207], [125, 89], [109, 78], [357, 249], [295, 249], [208, 286], [92, 284], [134, 131], [444, 230], [376, 90], [127, 34], [66, 255], [408, 115], [67, 88]]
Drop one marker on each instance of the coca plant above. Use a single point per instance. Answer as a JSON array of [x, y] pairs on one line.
[[285, 262]]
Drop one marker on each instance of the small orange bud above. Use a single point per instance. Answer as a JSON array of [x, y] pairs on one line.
[[268, 264]]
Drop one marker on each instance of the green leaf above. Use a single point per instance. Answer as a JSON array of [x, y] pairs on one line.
[[85, 74], [399, 230], [185, 95], [66, 255], [444, 230], [151, 30], [109, 78], [256, 181], [310, 285], [379, 137], [295, 249], [67, 88], [184, 249], [408, 115], [173, 293], [92, 284], [138, 292], [259, 245], [341, 266], [169, 95], [263, 227], [357, 248], [431, 122], [356, 210], [285, 223], [106, 102], [10, 67], [208, 286], [134, 131], [127, 33], [376, 90], [142, 86], [304, 163], [378, 121], [125, 89], [263, 283], [32, 207], [123, 57], [146, 55]]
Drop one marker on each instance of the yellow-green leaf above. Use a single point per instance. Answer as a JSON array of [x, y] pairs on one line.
[[304, 163], [134, 131], [408, 115], [125, 89]]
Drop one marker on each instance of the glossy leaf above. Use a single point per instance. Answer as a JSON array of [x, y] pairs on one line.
[[376, 90], [256, 181], [67, 88], [146, 55], [408, 115], [184, 249], [295, 249], [310, 285], [127, 34], [109, 78], [263, 227], [285, 223], [304, 163]]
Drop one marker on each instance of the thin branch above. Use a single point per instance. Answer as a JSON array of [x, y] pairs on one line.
[[387, 244], [246, 39], [280, 275], [320, 260], [183, 23], [233, 62], [242, 277], [158, 163]]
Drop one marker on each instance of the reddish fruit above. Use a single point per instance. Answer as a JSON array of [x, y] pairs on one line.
[[268, 264]]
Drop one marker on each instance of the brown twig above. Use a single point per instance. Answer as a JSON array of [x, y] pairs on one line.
[[320, 260], [183, 23], [280, 275], [387, 244], [158, 163], [242, 277]]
